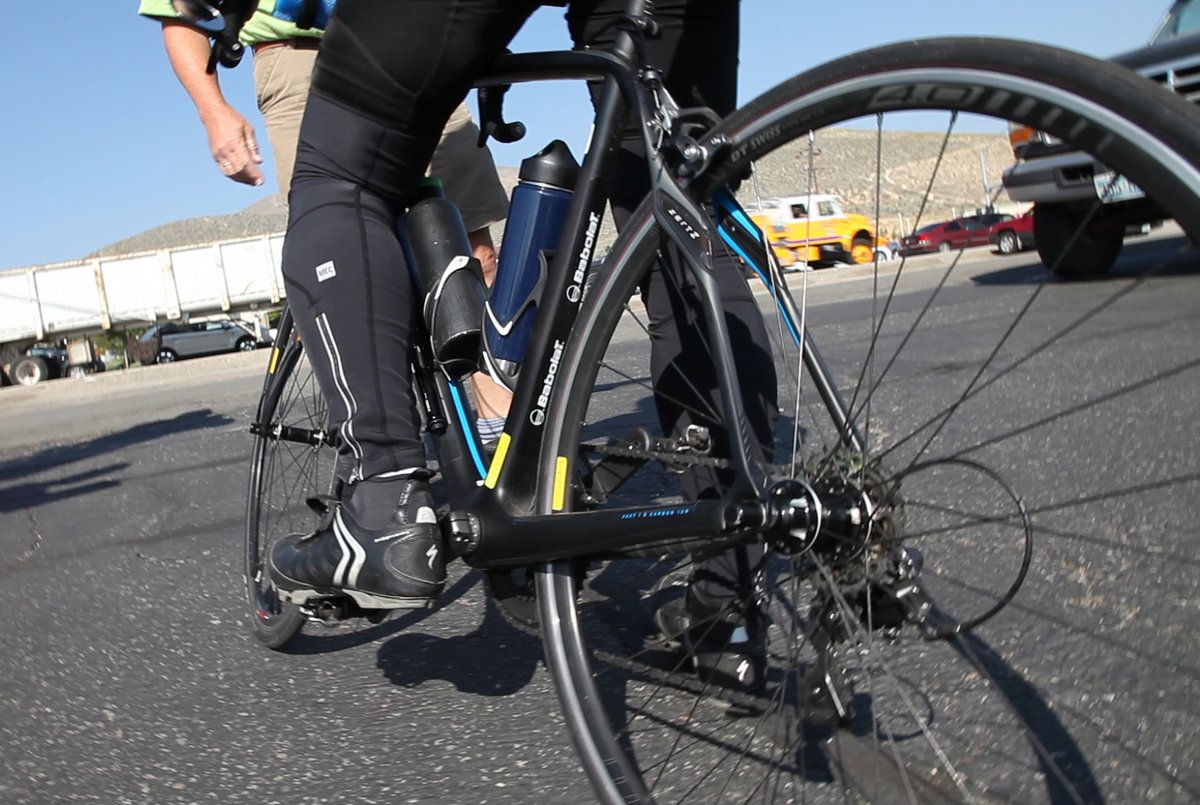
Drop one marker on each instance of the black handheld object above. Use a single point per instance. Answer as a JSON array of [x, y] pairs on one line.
[[221, 21]]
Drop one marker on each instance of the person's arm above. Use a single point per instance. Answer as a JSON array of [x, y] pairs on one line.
[[230, 136]]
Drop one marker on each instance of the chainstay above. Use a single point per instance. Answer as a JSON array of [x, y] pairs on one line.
[[670, 458]]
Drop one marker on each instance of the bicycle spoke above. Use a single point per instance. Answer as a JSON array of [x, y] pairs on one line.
[[952, 409]]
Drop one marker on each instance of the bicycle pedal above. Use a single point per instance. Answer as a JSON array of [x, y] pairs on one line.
[[335, 609]]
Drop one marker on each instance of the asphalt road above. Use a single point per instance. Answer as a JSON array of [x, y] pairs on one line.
[[127, 674]]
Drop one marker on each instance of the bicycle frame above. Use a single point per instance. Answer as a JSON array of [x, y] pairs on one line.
[[503, 517]]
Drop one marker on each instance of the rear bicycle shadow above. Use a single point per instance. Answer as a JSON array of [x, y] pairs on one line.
[[648, 690]]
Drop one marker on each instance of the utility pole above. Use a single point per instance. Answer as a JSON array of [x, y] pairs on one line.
[[987, 187]]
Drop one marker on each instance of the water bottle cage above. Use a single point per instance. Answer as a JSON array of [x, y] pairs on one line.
[[501, 371], [432, 308]]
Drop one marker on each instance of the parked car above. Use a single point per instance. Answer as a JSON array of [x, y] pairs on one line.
[[960, 233], [887, 249], [200, 338], [1067, 184], [1013, 235]]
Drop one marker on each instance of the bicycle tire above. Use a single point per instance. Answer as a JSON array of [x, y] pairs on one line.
[[292, 460], [631, 705]]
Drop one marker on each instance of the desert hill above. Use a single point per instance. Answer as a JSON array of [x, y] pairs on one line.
[[841, 161]]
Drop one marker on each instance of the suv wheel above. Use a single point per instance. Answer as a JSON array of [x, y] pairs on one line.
[[167, 356], [246, 344], [1093, 251]]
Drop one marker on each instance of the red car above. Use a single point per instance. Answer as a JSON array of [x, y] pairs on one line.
[[960, 233], [1014, 235]]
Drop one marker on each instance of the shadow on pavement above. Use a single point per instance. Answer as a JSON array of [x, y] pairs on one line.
[[497, 659], [1159, 257], [37, 493], [1065, 767]]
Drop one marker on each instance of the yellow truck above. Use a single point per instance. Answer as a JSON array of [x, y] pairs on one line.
[[815, 230]]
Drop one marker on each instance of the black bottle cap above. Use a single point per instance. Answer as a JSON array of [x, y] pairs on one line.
[[553, 166]]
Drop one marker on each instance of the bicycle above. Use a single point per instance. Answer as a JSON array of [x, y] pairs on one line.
[[889, 528]]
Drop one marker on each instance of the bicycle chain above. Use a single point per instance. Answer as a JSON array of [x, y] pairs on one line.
[[668, 457], [672, 457]]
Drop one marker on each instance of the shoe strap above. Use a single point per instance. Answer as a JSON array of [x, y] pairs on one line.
[[321, 504], [324, 506]]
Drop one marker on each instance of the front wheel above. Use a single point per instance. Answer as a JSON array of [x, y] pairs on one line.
[[861, 251], [167, 355], [916, 649], [1007, 243]]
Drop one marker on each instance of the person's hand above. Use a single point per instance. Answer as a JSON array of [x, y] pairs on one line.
[[234, 147]]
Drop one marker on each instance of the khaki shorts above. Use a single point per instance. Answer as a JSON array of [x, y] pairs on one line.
[[468, 174]]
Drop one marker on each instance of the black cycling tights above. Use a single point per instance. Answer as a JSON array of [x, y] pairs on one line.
[[388, 76]]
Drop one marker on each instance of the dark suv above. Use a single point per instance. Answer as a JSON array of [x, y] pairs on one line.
[[1066, 185]]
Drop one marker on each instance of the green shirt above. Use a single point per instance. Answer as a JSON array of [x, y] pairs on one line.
[[261, 27]]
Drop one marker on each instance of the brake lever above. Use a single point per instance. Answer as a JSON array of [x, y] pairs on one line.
[[226, 53], [491, 117], [221, 23]]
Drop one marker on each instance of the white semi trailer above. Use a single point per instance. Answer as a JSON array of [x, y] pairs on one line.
[[67, 302]]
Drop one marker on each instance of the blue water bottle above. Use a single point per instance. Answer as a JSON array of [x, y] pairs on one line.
[[540, 202]]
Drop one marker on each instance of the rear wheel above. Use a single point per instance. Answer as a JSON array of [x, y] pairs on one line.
[[916, 649], [29, 370], [293, 461]]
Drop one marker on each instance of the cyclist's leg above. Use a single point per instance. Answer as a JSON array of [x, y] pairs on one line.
[[388, 77], [387, 82]]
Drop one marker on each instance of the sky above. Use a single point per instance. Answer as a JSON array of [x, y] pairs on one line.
[[99, 142]]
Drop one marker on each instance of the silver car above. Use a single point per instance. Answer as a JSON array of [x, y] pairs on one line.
[[199, 338]]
